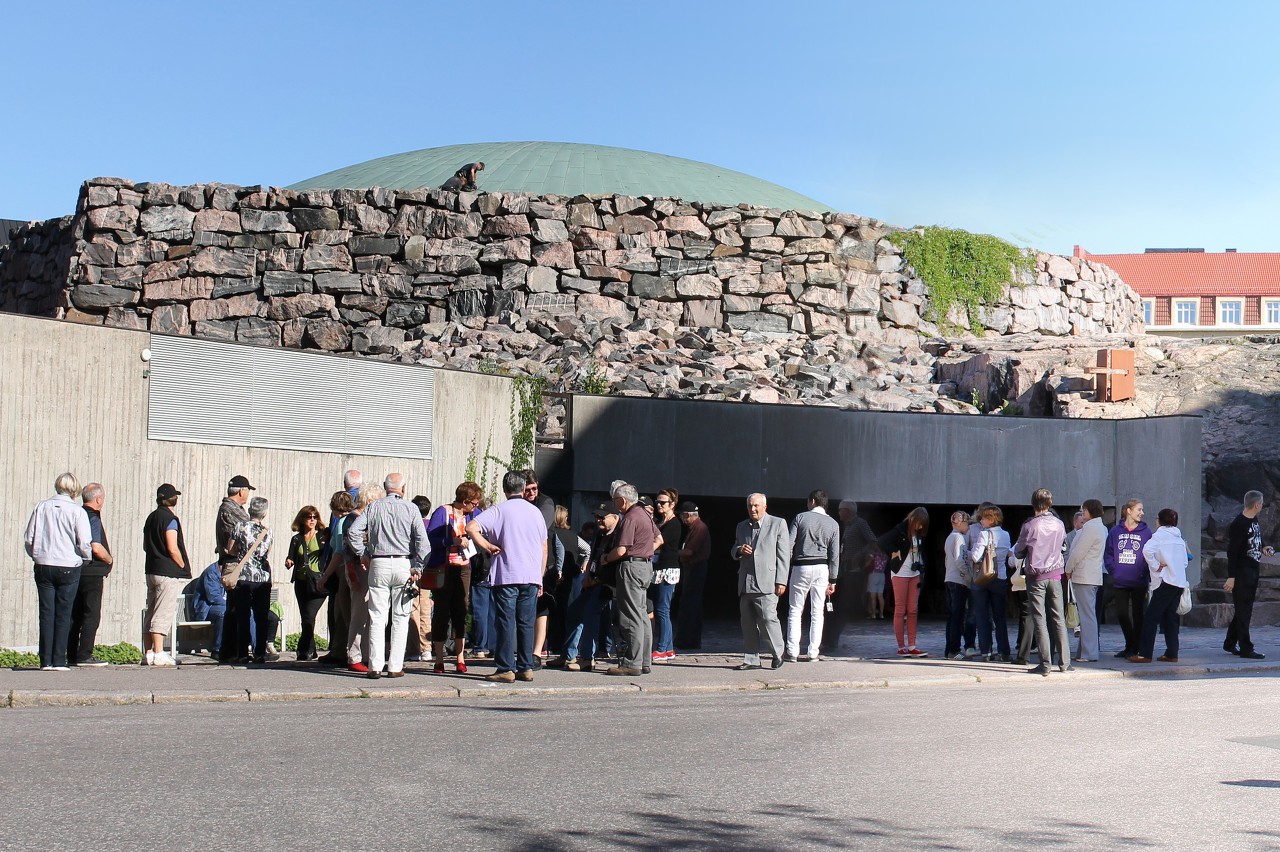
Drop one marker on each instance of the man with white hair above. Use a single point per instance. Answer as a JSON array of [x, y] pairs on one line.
[[86, 612], [58, 540], [633, 550], [390, 534], [762, 548]]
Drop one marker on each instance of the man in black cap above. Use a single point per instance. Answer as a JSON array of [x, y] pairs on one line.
[[231, 513], [694, 555]]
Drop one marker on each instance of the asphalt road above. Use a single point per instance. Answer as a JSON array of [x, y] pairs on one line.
[[1108, 764]]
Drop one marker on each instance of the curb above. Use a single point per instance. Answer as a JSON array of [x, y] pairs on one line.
[[35, 698]]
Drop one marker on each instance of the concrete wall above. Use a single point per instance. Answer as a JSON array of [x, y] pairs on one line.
[[74, 398], [731, 450]]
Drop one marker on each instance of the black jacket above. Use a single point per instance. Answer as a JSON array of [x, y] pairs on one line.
[[897, 541], [153, 543]]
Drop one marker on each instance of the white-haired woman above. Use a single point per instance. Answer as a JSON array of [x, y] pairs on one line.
[[253, 590], [58, 540]]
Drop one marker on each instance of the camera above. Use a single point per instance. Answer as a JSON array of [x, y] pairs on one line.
[[410, 590]]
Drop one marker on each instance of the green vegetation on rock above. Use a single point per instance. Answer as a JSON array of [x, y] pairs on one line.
[[961, 269]]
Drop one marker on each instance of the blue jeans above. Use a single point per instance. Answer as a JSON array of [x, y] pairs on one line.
[[214, 617], [482, 614], [516, 607], [583, 625], [957, 605], [56, 591], [662, 617], [989, 606]]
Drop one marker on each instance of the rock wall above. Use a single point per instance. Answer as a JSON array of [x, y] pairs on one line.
[[373, 271]]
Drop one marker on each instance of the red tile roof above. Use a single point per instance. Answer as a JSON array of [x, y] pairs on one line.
[[1186, 273]]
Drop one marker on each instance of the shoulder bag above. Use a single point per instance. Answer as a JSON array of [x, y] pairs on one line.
[[1073, 611], [987, 569], [231, 576]]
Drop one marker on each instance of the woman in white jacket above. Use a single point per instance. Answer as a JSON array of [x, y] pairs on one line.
[[1084, 570], [1166, 556]]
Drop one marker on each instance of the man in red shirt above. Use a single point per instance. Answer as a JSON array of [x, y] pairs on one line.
[[633, 552]]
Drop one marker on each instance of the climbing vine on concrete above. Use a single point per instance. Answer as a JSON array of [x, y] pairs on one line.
[[526, 408], [961, 268]]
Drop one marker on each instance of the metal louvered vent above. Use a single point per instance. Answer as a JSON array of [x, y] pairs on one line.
[[243, 396]]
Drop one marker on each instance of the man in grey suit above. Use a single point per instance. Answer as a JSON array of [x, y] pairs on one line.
[[762, 549]]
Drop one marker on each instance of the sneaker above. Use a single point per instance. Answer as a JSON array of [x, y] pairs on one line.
[[93, 662], [955, 656], [271, 648], [971, 652], [916, 652], [1041, 670], [1066, 669], [1252, 655], [61, 668], [788, 658], [163, 659], [903, 652], [148, 658]]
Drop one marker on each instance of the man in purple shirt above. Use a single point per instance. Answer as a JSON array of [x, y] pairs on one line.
[[1040, 543], [515, 535]]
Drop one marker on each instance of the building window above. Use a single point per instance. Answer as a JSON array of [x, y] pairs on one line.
[[1230, 311], [206, 392], [1272, 307], [1186, 311], [1148, 311]]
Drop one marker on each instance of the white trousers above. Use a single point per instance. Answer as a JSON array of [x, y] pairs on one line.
[[806, 581], [387, 576]]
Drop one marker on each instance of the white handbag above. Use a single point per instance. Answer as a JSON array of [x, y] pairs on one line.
[[1184, 605]]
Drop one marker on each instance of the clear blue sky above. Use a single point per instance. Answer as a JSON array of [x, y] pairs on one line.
[[1116, 125]]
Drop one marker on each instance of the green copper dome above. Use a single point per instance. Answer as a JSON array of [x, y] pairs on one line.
[[565, 168]]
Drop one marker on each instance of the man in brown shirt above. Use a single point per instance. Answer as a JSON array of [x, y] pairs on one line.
[[694, 555], [633, 551]]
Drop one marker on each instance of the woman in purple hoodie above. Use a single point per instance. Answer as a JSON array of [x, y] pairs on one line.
[[1128, 570]]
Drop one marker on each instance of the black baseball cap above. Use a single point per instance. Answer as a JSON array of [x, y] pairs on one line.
[[688, 506], [645, 501], [166, 491], [239, 481], [606, 509]]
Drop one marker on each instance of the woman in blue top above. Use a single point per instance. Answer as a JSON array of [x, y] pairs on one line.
[[989, 600]]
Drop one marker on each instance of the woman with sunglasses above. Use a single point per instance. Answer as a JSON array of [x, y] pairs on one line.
[[308, 542], [666, 572]]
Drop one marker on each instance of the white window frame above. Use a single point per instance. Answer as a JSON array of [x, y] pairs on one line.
[[1238, 305], [1271, 311], [1149, 311], [1195, 308]]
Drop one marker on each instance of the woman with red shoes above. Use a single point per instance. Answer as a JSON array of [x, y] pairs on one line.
[[904, 545], [451, 552]]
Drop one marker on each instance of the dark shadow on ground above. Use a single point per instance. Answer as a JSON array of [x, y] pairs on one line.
[[788, 826]]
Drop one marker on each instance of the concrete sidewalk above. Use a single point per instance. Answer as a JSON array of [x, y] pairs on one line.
[[867, 659]]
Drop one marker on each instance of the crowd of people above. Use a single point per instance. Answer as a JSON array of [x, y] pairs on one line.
[[513, 582]]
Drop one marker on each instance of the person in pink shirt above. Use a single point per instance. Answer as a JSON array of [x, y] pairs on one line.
[[1040, 544]]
